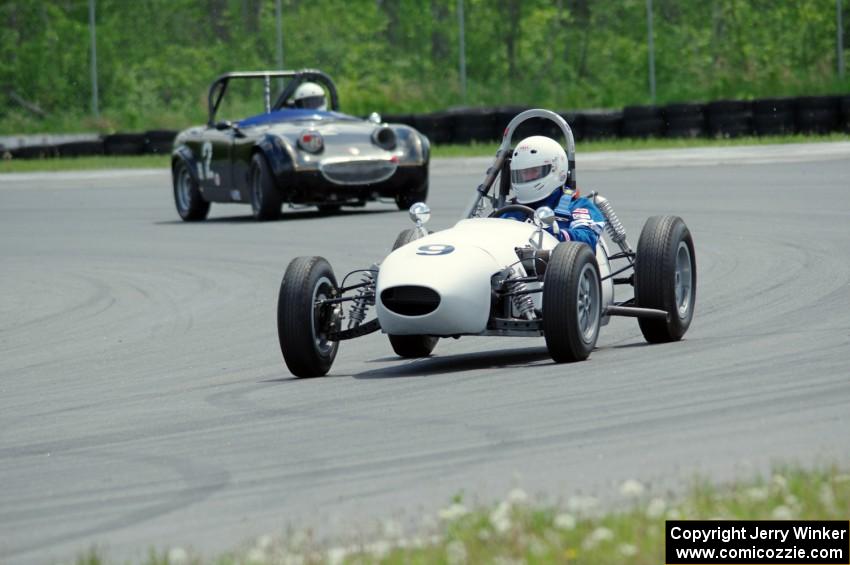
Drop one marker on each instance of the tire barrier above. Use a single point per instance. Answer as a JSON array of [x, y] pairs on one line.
[[684, 120], [729, 118], [721, 118], [773, 116], [80, 148], [125, 144], [642, 121], [818, 114], [845, 113], [159, 141], [602, 124]]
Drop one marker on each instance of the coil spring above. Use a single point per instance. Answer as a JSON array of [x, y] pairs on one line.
[[523, 303], [365, 298], [613, 224]]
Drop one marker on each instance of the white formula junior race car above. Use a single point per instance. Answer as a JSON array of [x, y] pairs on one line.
[[489, 276]]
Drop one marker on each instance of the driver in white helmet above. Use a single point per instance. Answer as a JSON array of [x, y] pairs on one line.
[[309, 96], [539, 172]]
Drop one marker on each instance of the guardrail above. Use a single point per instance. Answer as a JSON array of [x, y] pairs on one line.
[[721, 118]]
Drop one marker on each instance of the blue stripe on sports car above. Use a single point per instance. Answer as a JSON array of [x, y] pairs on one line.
[[292, 115]]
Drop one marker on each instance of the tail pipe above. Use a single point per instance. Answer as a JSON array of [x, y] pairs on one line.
[[612, 223]]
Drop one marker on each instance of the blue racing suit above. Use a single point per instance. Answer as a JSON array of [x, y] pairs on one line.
[[578, 218]]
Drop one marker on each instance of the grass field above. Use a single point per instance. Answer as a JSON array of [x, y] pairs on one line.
[[521, 530], [471, 150]]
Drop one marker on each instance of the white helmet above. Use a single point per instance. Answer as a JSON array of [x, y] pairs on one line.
[[538, 168], [310, 95]]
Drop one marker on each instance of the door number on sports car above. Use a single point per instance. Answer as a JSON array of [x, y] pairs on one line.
[[435, 249], [205, 171]]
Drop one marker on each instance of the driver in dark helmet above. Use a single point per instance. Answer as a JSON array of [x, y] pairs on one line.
[[539, 171]]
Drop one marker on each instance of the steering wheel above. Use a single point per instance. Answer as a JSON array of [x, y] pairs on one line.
[[528, 211]]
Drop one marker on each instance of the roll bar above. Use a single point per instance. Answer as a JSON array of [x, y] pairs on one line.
[[504, 150], [219, 87]]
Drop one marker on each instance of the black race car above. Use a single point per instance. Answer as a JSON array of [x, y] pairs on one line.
[[297, 156]]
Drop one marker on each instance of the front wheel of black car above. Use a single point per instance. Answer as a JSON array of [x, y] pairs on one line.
[[407, 197], [303, 322], [188, 200], [265, 196], [572, 302], [411, 346], [666, 277]]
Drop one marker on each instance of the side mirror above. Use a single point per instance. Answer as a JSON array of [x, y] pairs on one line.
[[223, 125]]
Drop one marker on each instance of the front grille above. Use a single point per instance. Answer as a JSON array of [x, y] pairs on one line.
[[410, 300], [358, 172]]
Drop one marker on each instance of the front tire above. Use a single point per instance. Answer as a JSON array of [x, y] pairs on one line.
[[666, 277], [407, 198], [301, 326], [572, 302], [188, 199], [411, 346], [265, 196]]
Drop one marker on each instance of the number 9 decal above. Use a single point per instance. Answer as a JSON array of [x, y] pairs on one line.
[[435, 249]]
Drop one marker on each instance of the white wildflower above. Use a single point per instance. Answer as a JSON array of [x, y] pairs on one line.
[[501, 517], [792, 501], [298, 539], [336, 555], [517, 496], [564, 521], [256, 555], [655, 508], [780, 482], [453, 512], [757, 494], [826, 496], [782, 512], [580, 504], [628, 550], [392, 529], [177, 556], [536, 546], [379, 549], [597, 536], [456, 553], [631, 489]]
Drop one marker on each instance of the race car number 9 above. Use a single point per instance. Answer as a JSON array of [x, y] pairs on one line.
[[435, 249]]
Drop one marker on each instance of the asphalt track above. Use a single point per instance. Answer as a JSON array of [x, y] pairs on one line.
[[144, 402]]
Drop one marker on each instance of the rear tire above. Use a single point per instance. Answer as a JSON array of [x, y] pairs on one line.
[[411, 346], [407, 198], [301, 327], [265, 196], [188, 199], [666, 277], [572, 302]]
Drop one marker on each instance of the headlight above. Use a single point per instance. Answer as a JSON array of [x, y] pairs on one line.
[[384, 138], [311, 140]]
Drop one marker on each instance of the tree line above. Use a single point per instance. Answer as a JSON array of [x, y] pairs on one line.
[[155, 58]]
